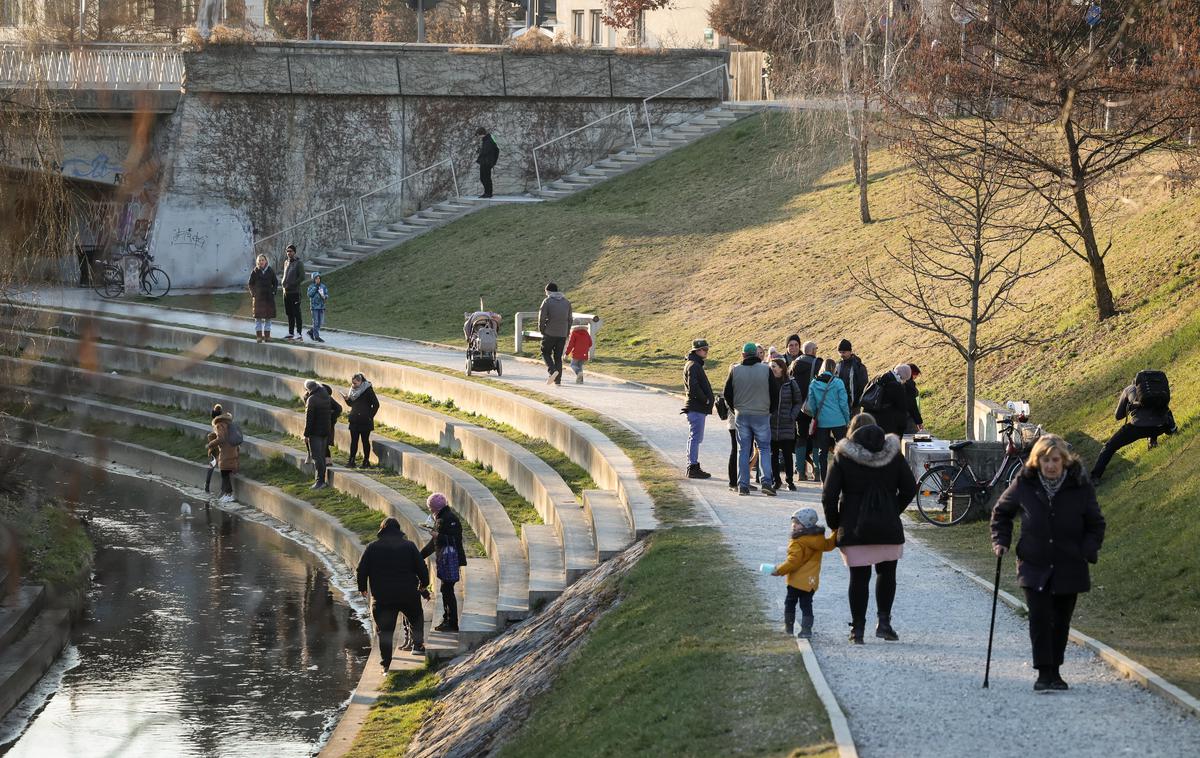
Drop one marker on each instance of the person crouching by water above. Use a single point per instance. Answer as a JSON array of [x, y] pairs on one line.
[[446, 541], [1061, 533], [397, 576]]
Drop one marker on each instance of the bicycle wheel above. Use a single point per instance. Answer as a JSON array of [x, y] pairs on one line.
[[942, 499], [110, 281], [155, 282]]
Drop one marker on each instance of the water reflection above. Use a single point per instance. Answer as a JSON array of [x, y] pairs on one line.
[[204, 636]]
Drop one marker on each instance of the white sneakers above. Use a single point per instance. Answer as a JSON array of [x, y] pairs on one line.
[[226, 499]]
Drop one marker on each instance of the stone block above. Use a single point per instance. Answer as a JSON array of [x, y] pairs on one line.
[[325, 74], [442, 74], [557, 75], [641, 76], [237, 69]]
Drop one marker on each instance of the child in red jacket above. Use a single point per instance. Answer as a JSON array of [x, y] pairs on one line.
[[579, 345]]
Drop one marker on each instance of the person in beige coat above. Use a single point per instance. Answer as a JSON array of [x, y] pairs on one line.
[[221, 447]]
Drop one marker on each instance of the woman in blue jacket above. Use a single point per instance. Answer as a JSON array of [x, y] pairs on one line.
[[829, 406]]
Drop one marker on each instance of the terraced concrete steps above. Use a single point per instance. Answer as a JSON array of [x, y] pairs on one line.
[[18, 609], [547, 577], [612, 530], [24, 661]]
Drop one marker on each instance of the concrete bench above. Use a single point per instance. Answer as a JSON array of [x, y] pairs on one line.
[[599, 456], [609, 523]]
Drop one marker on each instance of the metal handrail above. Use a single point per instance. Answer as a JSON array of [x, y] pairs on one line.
[[315, 216], [362, 212], [633, 133], [149, 67], [646, 101]]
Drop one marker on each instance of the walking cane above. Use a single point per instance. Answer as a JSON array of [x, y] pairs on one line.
[[992, 628]]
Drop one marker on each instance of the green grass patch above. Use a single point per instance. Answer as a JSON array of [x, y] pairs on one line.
[[417, 493], [684, 664], [406, 699], [54, 546]]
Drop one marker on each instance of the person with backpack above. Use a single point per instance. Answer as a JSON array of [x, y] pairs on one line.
[[783, 425], [1145, 406], [853, 373], [317, 428], [804, 368], [699, 405], [752, 394], [489, 155], [830, 413], [446, 543], [868, 486], [223, 444], [886, 399], [392, 568]]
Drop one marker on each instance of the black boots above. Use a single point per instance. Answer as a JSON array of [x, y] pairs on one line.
[[806, 624], [884, 629], [856, 633], [695, 472], [1049, 680], [789, 622]]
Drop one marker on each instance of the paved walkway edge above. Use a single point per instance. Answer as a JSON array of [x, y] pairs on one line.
[[1122, 663], [837, 719]]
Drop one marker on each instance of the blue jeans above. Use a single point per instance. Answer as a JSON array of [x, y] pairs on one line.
[[577, 366], [318, 315], [754, 429], [695, 435]]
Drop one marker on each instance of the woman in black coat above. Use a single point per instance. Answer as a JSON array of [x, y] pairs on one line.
[[363, 407], [262, 286], [1061, 533], [446, 543], [868, 486]]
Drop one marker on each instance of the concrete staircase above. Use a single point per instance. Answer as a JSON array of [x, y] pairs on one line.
[[623, 160]]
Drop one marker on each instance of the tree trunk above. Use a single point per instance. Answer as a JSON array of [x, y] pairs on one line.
[[864, 208], [970, 398], [1095, 260]]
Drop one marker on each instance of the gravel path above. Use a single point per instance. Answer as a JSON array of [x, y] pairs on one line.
[[917, 697]]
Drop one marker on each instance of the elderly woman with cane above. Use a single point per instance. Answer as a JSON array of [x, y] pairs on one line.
[[1061, 533]]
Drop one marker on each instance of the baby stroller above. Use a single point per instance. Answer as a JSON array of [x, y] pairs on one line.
[[482, 331]]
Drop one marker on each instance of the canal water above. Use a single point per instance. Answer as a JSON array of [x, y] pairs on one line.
[[208, 635]]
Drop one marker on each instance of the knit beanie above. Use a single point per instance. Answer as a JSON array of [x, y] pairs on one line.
[[436, 502], [750, 348], [805, 517], [845, 347], [217, 410]]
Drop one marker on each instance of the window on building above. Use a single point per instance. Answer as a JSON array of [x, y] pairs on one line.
[[597, 28], [577, 24], [10, 12]]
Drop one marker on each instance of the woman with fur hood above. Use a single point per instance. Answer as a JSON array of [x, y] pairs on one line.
[[868, 486], [363, 407], [221, 447]]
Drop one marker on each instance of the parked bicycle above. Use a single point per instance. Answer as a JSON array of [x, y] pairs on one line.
[[947, 492], [109, 281]]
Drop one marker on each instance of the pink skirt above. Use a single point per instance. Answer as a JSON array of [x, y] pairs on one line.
[[869, 555]]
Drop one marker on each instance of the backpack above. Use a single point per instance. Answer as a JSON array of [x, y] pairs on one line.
[[873, 398], [876, 516], [234, 436], [1151, 390]]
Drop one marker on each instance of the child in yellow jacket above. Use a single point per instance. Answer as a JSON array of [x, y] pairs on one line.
[[803, 569]]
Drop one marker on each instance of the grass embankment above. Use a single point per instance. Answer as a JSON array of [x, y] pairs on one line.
[[53, 545], [407, 698]]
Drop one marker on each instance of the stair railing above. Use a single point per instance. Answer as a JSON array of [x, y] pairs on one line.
[[646, 102], [628, 111], [362, 211], [310, 219]]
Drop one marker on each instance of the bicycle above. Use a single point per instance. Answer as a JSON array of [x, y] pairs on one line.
[[947, 492], [152, 280]]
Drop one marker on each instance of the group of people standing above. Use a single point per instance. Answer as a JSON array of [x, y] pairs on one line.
[[263, 286], [786, 411]]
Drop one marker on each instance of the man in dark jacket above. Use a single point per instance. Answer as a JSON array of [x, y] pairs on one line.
[[700, 401], [752, 394], [447, 536], [554, 322], [804, 369], [293, 280], [397, 575], [1142, 421], [892, 412], [318, 427], [853, 373], [913, 394], [489, 154]]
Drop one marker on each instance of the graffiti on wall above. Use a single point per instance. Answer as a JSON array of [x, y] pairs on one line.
[[98, 167]]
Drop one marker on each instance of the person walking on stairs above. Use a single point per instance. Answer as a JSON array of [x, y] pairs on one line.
[[363, 406], [1062, 530], [1145, 406], [489, 155], [263, 284], [752, 394], [397, 576], [699, 405], [803, 569], [293, 281], [554, 322], [868, 486], [318, 428], [446, 543], [318, 295]]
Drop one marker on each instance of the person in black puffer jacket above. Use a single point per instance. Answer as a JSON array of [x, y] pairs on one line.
[[1062, 530], [317, 427], [804, 369], [699, 405], [783, 425], [892, 415], [393, 568], [1140, 423], [868, 486], [363, 407], [447, 544]]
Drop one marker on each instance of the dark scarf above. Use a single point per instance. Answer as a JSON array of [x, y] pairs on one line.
[[801, 531], [1052, 486]]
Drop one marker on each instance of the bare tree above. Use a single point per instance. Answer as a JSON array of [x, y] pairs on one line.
[[954, 281], [1079, 98]]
